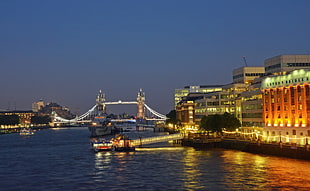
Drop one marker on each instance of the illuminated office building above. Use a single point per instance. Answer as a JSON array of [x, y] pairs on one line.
[[180, 93], [227, 100], [251, 107], [247, 75], [286, 107]]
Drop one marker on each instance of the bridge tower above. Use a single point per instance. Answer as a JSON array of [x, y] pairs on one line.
[[141, 101], [100, 103]]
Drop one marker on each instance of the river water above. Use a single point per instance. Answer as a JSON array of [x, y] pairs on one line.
[[62, 159]]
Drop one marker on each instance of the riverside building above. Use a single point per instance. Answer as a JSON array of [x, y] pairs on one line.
[[228, 99], [24, 117], [244, 98], [286, 107], [252, 112], [280, 65], [180, 93], [251, 107]]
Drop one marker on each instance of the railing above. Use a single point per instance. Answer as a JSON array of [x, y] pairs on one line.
[[158, 139]]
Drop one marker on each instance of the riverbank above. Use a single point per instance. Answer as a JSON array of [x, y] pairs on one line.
[[17, 130], [278, 149]]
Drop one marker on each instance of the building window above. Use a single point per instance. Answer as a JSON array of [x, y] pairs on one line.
[[294, 132]]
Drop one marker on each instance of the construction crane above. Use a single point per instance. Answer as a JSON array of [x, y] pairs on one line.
[[246, 64]]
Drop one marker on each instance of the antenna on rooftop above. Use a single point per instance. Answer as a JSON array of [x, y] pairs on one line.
[[245, 62]]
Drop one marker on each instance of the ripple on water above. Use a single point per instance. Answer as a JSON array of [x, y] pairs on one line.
[[63, 160]]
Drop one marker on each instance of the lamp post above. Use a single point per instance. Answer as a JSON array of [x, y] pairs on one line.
[[280, 141]]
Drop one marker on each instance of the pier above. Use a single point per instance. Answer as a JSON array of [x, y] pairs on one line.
[[158, 139], [201, 141]]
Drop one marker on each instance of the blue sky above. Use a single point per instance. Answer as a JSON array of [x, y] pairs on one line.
[[65, 51]]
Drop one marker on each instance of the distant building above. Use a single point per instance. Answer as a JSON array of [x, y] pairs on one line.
[[24, 116], [37, 106], [280, 65], [286, 107], [60, 110], [247, 75]]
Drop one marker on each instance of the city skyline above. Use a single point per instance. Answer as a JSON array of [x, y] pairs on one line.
[[66, 51]]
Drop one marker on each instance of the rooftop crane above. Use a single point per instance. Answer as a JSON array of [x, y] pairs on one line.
[[245, 62]]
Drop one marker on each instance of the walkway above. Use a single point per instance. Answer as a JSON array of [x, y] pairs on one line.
[[158, 139]]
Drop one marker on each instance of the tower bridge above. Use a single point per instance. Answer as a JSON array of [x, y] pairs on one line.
[[144, 112]]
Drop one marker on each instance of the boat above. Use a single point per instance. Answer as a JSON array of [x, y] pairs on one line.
[[26, 132], [121, 142], [125, 125], [100, 126], [101, 145]]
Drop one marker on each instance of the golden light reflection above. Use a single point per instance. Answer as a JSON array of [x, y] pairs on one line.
[[102, 160], [160, 149], [268, 172], [288, 173], [191, 170], [242, 167]]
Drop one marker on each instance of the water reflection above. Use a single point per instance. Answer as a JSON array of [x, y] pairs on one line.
[[183, 168], [288, 173], [256, 172], [191, 170], [102, 160], [244, 170]]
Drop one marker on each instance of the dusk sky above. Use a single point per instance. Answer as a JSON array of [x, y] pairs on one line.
[[65, 51]]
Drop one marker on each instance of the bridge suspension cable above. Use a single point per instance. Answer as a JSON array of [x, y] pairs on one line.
[[78, 118], [155, 112]]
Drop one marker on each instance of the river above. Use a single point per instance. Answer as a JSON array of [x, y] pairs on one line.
[[62, 159]]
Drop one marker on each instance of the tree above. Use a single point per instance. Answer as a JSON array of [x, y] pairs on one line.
[[40, 119], [230, 122], [211, 123], [9, 119], [172, 117], [216, 123]]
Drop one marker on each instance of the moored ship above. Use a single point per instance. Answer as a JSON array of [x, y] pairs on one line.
[[25, 132], [100, 126], [121, 142]]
